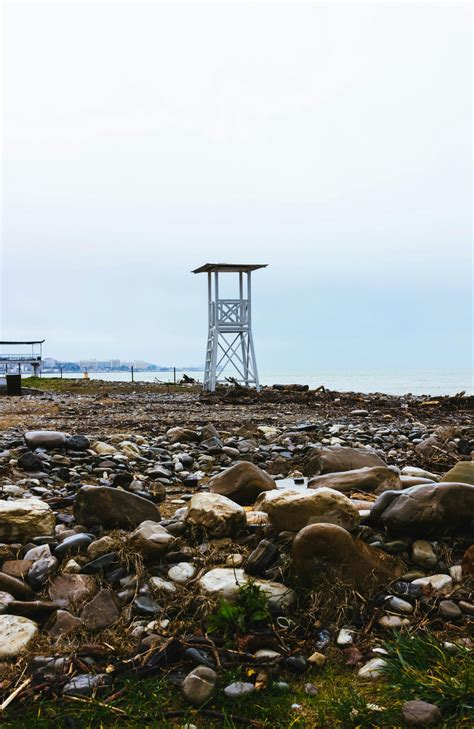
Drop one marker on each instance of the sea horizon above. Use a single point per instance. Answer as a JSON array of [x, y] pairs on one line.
[[396, 381]]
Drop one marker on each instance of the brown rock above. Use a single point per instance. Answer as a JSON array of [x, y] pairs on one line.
[[242, 483], [181, 435], [373, 480], [19, 589], [462, 472], [65, 623], [68, 590], [420, 713], [467, 564], [112, 507], [101, 612], [333, 459], [290, 510], [356, 563], [44, 439], [37, 610], [426, 511], [17, 567]]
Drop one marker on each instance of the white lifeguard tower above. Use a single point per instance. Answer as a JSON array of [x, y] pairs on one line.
[[229, 339]]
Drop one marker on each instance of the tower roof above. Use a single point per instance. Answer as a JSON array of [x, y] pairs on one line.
[[229, 267]]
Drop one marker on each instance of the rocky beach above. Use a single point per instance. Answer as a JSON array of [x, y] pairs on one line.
[[290, 558]]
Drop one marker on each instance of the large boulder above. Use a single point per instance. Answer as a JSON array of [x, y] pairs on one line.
[[462, 472], [430, 510], [354, 561], [332, 459], [151, 539], [224, 582], [373, 480], [111, 507], [242, 483], [220, 516], [290, 510], [23, 519], [17, 633], [44, 439]]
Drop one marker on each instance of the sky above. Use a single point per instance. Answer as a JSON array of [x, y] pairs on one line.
[[331, 141]]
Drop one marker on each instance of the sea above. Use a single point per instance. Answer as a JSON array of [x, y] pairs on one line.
[[391, 382]]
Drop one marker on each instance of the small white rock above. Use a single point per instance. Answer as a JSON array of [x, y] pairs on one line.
[[238, 688], [16, 632], [456, 573], [441, 584], [182, 572], [158, 583], [373, 668], [345, 637]]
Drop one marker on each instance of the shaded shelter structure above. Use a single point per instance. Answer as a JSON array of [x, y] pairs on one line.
[[16, 354], [230, 340]]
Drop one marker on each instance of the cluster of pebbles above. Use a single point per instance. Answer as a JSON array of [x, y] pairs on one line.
[[127, 532]]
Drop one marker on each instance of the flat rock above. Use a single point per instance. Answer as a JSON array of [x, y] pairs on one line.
[[224, 582], [354, 561], [216, 513], [110, 507], [101, 612], [437, 584], [238, 688], [242, 483], [23, 519], [17, 633], [333, 459], [44, 439], [69, 590], [292, 510], [64, 624], [373, 480], [85, 684]]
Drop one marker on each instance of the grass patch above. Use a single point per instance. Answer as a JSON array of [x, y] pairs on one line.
[[418, 667], [249, 609]]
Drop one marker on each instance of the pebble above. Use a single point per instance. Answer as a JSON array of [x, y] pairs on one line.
[[345, 637], [399, 606], [420, 713], [238, 688], [449, 610], [317, 659], [373, 668], [296, 664], [85, 684], [393, 621], [423, 554], [438, 584], [182, 572]]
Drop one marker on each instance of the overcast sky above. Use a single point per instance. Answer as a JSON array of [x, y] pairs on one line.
[[331, 141]]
